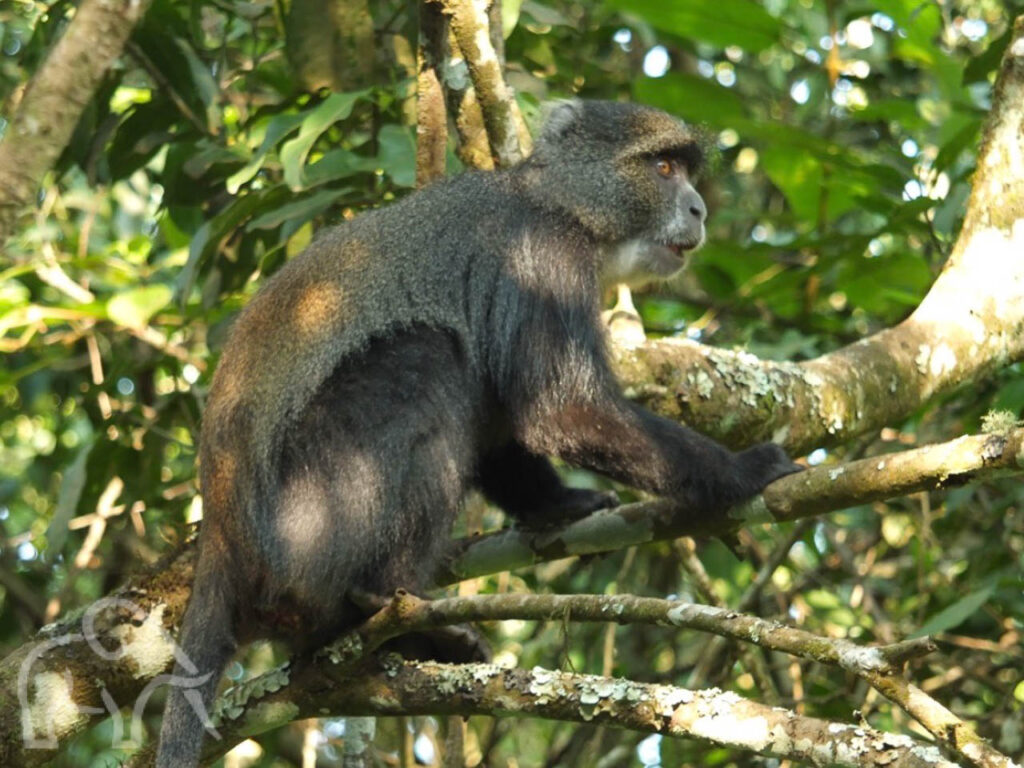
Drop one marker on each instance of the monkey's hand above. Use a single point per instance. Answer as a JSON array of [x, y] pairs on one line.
[[762, 465]]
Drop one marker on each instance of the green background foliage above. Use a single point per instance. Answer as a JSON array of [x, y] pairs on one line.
[[846, 136]]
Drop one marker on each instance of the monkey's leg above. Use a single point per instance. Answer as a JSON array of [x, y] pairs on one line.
[[526, 486], [456, 644], [373, 474]]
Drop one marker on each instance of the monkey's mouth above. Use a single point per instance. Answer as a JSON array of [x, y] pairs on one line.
[[679, 250]]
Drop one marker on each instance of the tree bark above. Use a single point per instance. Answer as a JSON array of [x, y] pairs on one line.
[[55, 98], [711, 716], [500, 112], [431, 115]]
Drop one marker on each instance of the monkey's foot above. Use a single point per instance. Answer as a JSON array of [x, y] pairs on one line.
[[457, 644], [571, 504]]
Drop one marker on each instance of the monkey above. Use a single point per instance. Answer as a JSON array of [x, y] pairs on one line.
[[448, 341]]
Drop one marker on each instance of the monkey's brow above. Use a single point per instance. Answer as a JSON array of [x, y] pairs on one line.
[[690, 154]]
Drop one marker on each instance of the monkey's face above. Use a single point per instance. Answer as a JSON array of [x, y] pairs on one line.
[[680, 225], [676, 225], [624, 172]]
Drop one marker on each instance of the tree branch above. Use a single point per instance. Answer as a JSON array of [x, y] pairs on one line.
[[500, 112], [56, 96], [35, 671], [880, 665], [814, 491], [390, 687], [431, 115], [407, 613]]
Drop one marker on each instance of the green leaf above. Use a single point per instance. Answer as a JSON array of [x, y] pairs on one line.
[[135, 307], [908, 212], [987, 61], [803, 180], [823, 599], [509, 16], [722, 23], [140, 136], [1010, 396], [397, 154], [957, 613], [13, 294], [920, 23], [961, 140], [71, 486], [301, 210], [335, 107], [695, 99], [885, 284], [277, 128], [338, 164], [205, 87], [799, 176], [207, 156], [902, 111], [542, 14], [210, 235]]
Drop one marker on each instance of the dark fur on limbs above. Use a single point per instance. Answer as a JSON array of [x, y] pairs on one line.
[[448, 341]]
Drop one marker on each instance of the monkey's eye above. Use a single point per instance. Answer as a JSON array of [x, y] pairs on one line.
[[663, 166]]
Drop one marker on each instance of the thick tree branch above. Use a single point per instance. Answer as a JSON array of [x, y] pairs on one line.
[[712, 716], [472, 148], [57, 684], [56, 96], [970, 325]]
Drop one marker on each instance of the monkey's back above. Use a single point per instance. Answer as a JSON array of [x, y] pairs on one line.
[[361, 282], [356, 281]]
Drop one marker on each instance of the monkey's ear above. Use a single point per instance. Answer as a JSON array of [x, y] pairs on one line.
[[559, 118]]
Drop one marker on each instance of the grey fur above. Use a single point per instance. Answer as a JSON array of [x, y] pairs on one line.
[[447, 341], [639, 262]]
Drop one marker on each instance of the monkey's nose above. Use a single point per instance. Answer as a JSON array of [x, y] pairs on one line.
[[694, 203]]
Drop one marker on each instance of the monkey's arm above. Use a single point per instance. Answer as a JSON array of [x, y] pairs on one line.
[[610, 435], [526, 486]]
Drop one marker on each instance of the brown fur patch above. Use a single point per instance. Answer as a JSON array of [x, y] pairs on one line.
[[219, 492], [317, 308]]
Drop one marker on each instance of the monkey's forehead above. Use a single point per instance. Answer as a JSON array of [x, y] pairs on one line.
[[645, 120], [604, 129], [664, 140], [639, 129], [617, 120]]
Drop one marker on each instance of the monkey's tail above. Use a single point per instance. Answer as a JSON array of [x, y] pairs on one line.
[[206, 644]]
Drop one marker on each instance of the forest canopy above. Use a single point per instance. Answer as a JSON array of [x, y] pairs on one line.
[[859, 300]]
